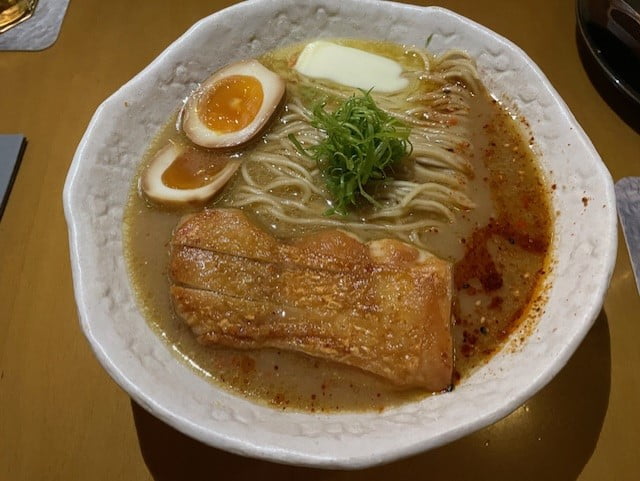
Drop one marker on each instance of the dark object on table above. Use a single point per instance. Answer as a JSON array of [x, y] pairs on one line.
[[11, 149], [608, 35]]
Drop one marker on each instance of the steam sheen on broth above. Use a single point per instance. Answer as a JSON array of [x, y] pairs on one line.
[[471, 193]]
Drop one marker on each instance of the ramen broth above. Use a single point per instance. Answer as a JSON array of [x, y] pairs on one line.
[[499, 250]]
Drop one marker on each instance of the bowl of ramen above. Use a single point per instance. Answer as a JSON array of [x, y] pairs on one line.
[[345, 233]]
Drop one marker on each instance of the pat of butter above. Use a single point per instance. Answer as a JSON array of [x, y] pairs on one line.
[[351, 67]]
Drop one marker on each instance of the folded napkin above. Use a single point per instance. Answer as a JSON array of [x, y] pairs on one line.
[[628, 201]]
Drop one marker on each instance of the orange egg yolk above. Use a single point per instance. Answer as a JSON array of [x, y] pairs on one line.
[[232, 103], [193, 169]]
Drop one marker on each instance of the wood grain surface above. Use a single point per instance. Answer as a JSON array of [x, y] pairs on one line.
[[63, 418]]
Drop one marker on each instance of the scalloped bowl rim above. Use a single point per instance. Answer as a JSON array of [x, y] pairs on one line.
[[310, 445]]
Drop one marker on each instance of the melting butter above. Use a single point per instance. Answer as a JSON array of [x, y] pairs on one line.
[[351, 67]]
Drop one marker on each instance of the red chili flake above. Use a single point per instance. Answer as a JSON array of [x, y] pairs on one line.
[[466, 350], [492, 281], [496, 302]]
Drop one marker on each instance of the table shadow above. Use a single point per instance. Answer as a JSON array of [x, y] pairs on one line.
[[550, 437]]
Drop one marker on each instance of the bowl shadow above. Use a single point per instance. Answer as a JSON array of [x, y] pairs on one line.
[[550, 437]]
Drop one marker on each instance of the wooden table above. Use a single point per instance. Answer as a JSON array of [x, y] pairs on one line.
[[62, 417]]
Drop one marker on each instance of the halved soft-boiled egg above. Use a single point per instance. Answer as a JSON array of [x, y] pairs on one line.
[[232, 105], [179, 174]]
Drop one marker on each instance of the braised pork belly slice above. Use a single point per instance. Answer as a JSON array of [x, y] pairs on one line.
[[381, 306]]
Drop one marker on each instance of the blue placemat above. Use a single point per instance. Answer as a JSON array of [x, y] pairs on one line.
[[11, 148], [38, 32]]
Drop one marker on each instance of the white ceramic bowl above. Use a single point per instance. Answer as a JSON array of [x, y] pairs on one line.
[[100, 177]]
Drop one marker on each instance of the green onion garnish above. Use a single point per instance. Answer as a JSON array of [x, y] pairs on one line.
[[362, 144]]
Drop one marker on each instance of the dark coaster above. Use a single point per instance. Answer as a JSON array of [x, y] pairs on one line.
[[11, 149]]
